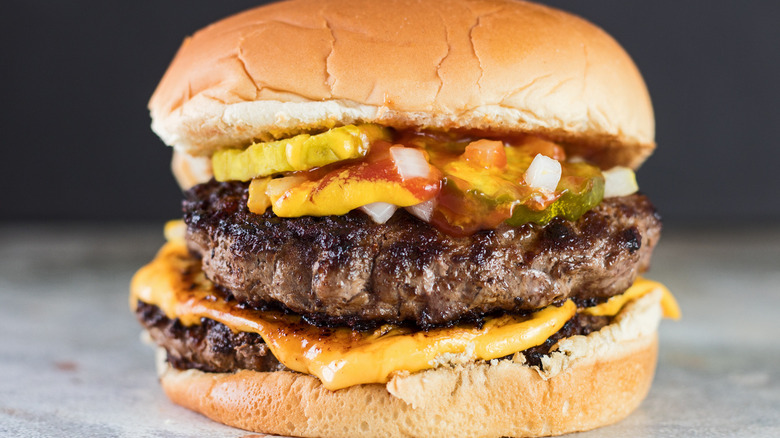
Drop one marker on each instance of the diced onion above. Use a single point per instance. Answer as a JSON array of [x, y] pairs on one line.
[[544, 173], [410, 162], [279, 186], [380, 212], [423, 210], [619, 181], [259, 201]]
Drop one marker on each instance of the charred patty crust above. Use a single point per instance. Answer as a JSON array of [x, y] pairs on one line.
[[211, 346], [348, 269]]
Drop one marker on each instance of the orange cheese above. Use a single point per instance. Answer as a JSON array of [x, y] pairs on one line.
[[640, 288], [338, 357]]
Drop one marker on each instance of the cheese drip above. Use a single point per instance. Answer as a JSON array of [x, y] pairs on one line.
[[640, 288], [339, 357]]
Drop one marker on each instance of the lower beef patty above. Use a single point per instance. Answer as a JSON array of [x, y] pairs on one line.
[[211, 346], [348, 269]]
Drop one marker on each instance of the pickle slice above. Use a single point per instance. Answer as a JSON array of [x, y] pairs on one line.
[[475, 198], [302, 152], [583, 188], [496, 183]]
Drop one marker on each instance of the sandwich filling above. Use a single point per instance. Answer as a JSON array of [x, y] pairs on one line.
[[174, 285], [460, 184], [361, 252]]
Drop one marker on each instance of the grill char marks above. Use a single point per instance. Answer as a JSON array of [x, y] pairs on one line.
[[581, 324], [213, 347], [209, 346], [348, 269]]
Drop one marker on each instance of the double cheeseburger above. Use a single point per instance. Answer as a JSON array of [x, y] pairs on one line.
[[405, 218]]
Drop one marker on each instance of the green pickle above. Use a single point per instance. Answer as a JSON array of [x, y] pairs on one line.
[[490, 196], [494, 184], [302, 152], [583, 189]]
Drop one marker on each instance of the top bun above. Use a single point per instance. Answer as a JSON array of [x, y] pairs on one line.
[[493, 66]]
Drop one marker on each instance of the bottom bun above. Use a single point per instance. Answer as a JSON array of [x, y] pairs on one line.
[[589, 382]]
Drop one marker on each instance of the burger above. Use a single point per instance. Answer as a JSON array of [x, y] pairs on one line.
[[405, 218]]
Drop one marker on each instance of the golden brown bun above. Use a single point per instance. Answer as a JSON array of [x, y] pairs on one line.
[[496, 65], [590, 382]]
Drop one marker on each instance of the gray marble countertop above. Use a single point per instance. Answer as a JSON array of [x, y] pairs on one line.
[[71, 363]]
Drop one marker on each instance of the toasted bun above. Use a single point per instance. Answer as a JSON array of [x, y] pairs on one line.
[[589, 382], [501, 66]]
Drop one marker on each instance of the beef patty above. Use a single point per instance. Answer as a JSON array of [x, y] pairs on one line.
[[344, 269], [211, 346]]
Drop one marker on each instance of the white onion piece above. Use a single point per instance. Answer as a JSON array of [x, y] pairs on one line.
[[279, 186], [544, 173], [410, 162], [423, 210], [380, 212], [619, 181]]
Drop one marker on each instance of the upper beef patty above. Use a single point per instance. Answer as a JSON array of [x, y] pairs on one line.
[[348, 269]]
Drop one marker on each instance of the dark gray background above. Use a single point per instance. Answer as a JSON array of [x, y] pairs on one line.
[[76, 76]]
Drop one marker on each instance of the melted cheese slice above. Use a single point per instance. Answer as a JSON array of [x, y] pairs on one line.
[[339, 357], [640, 288]]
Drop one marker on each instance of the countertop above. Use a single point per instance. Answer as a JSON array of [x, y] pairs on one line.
[[72, 364]]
